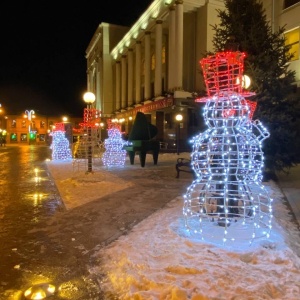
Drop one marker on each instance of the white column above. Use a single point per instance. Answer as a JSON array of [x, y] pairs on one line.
[[171, 49], [147, 83], [99, 80], [89, 74], [130, 77], [158, 59], [123, 82], [179, 42], [118, 85], [138, 55]]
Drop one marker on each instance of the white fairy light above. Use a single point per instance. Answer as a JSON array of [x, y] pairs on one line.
[[228, 160], [114, 155]]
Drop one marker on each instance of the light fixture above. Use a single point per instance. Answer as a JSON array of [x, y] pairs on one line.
[[40, 291], [246, 81], [144, 25], [178, 118], [155, 14], [89, 98]]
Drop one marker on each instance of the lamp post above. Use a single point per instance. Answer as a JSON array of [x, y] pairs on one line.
[[29, 114], [89, 98], [178, 118]]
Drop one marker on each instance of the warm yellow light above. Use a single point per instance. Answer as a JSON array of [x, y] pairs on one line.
[[89, 97], [179, 117], [40, 291], [246, 81], [144, 25]]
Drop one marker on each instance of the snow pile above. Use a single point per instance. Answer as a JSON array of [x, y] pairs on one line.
[[158, 260]]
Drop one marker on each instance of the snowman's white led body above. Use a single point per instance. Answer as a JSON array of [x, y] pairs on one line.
[[227, 201]]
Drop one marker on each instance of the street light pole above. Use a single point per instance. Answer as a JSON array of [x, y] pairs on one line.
[[89, 99], [178, 118], [29, 114]]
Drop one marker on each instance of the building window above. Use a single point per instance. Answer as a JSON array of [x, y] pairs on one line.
[[13, 124], [42, 137], [288, 3], [168, 121], [23, 124], [13, 137], [42, 124], [23, 137], [292, 39]]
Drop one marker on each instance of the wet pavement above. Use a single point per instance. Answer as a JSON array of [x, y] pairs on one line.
[[41, 241], [29, 198]]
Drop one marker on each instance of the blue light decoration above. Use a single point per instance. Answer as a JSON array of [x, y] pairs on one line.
[[227, 203], [60, 144], [114, 155]]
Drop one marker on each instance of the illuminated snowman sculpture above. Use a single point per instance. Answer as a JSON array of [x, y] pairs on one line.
[[114, 155], [227, 202]]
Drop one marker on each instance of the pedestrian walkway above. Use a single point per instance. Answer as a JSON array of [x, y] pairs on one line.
[[290, 186]]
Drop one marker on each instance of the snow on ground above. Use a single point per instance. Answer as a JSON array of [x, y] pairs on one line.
[[159, 260]]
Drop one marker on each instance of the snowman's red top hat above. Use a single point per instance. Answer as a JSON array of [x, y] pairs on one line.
[[59, 127], [223, 72]]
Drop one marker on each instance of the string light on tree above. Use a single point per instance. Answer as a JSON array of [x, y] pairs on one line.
[[60, 144], [228, 160]]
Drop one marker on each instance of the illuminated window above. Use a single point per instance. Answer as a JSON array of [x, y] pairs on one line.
[[13, 124], [152, 62], [23, 124], [42, 124], [163, 55], [23, 137], [13, 137], [292, 39], [288, 3]]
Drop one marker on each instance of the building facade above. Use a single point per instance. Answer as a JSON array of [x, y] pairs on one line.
[[30, 128], [153, 66], [286, 13]]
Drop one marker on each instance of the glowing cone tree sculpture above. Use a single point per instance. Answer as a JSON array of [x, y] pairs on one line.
[[60, 144], [114, 155], [227, 201]]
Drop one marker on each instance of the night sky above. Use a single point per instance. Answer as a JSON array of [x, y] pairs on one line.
[[42, 51]]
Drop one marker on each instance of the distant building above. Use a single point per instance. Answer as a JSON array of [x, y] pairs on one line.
[[153, 66], [31, 128]]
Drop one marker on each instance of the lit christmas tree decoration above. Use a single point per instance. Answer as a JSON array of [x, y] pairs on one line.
[[60, 145], [227, 202], [114, 155]]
